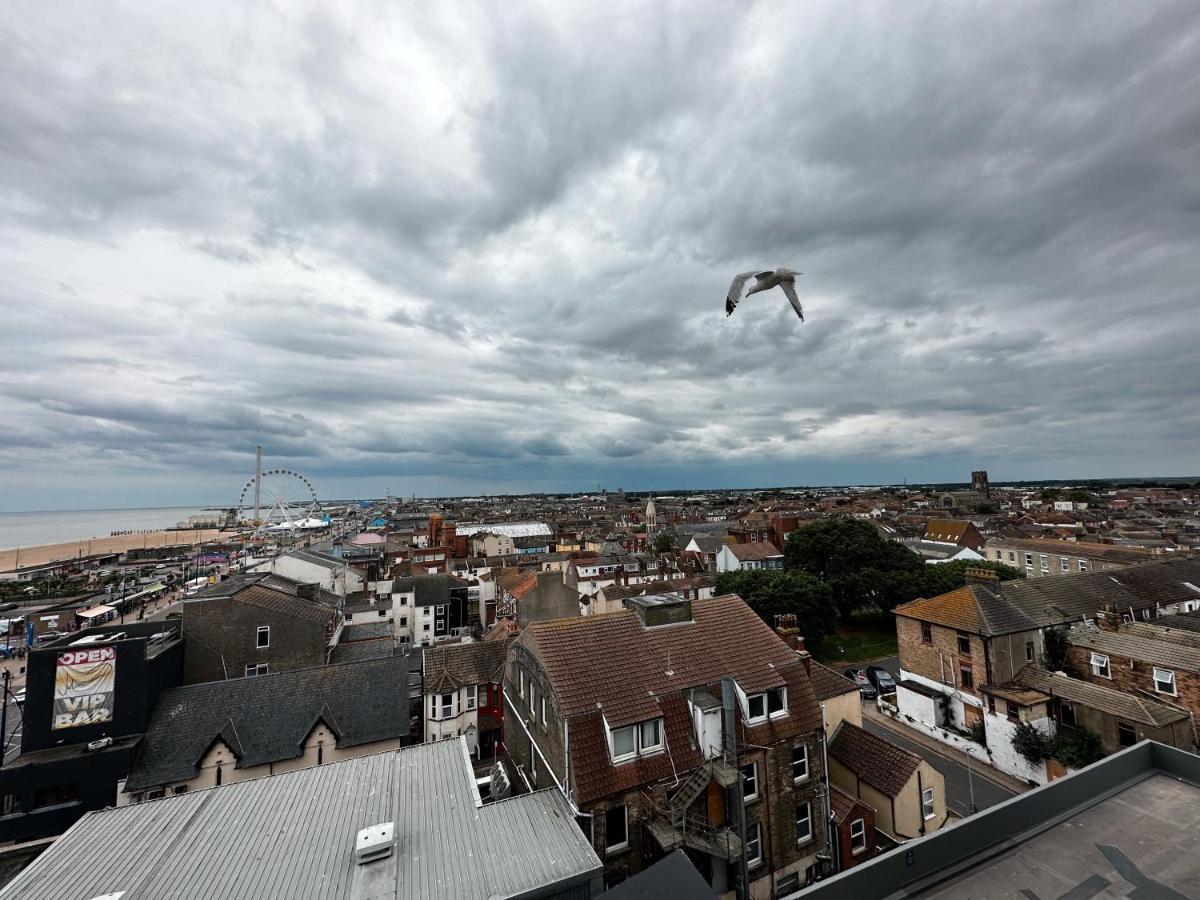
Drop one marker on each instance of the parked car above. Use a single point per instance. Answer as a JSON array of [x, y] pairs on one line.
[[882, 679], [864, 684]]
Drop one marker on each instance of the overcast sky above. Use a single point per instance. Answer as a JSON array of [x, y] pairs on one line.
[[449, 249]]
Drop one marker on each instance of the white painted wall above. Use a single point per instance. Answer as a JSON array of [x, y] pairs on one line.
[[918, 706], [1000, 730]]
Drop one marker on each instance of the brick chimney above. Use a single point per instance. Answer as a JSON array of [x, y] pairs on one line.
[[1108, 619], [975, 575], [785, 627]]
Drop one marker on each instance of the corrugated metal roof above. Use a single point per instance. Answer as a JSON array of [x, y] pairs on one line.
[[508, 529], [293, 836]]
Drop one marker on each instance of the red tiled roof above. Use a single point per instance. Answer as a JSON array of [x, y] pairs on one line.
[[881, 764], [956, 609], [610, 668], [843, 805], [828, 683]]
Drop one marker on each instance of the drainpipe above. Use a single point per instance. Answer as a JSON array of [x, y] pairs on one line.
[[727, 702], [920, 803]]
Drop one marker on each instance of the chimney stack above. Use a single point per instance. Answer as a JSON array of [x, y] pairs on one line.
[[1108, 619], [785, 627], [986, 577]]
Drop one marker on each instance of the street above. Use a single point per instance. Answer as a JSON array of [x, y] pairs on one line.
[[958, 782]]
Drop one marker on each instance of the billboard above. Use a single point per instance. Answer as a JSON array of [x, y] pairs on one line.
[[84, 683]]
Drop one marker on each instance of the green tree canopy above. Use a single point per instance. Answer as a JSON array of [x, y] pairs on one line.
[[663, 542], [865, 570], [771, 593]]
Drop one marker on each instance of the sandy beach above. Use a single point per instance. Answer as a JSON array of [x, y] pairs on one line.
[[48, 553]]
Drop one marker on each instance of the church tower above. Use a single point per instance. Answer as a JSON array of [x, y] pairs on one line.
[[651, 516]]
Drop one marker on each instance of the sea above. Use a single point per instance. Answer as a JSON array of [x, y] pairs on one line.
[[32, 529]]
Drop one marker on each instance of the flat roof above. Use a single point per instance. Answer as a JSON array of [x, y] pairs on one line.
[[293, 835], [1122, 827]]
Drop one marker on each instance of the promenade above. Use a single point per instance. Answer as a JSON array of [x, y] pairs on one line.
[[49, 553]]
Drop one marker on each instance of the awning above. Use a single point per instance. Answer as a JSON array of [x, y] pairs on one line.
[[94, 612]]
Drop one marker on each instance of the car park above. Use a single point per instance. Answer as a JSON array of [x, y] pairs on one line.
[[859, 677]]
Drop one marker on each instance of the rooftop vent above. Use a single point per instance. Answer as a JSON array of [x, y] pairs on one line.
[[374, 842], [656, 610]]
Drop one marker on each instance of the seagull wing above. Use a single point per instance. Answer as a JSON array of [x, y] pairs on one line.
[[789, 288], [737, 291]]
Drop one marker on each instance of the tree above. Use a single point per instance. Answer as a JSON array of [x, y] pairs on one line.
[[664, 542], [945, 577], [1056, 658], [861, 568], [773, 593]]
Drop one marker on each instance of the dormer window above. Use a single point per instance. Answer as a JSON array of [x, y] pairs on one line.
[[631, 741], [769, 704]]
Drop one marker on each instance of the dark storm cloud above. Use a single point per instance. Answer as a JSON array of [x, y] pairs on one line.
[[472, 247]]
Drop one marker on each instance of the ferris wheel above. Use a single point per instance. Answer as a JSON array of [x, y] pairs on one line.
[[278, 500]]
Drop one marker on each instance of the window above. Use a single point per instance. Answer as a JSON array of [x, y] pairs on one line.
[[964, 643], [750, 781], [756, 706], [471, 696], [441, 611], [447, 706], [926, 633], [257, 669], [1066, 714], [1029, 560], [1126, 734], [1083, 565], [966, 678], [264, 636], [787, 884], [1012, 556], [1014, 712], [616, 828], [1100, 665], [799, 763], [1064, 565], [1044, 560], [624, 743], [773, 703], [521, 683], [1029, 651], [754, 845], [858, 836], [991, 702], [1164, 681], [804, 831], [543, 709], [927, 803], [651, 736]]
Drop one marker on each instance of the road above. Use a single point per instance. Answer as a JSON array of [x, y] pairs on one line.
[[958, 781]]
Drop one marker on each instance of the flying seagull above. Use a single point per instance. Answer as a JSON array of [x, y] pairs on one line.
[[763, 281]]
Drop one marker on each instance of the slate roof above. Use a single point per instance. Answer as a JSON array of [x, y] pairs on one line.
[[1029, 603], [453, 666], [1133, 646], [609, 668], [428, 590], [672, 876], [828, 684], [267, 718], [273, 592], [356, 651], [1182, 621], [1124, 705], [876, 762], [708, 543]]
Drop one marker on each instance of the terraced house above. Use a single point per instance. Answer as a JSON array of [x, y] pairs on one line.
[[666, 722]]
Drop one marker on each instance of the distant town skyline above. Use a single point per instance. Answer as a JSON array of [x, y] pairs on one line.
[[466, 249]]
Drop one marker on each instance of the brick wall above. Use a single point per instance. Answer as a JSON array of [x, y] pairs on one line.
[[939, 660], [1131, 676], [848, 857]]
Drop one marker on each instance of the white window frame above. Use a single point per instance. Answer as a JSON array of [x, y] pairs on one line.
[[1029, 560], [858, 832], [446, 711], [1169, 679], [521, 683], [650, 747], [754, 839], [256, 669], [750, 716], [613, 848], [631, 754], [927, 808], [543, 705], [749, 782], [471, 696], [258, 639], [1064, 565], [1083, 565], [1100, 666], [803, 748], [1044, 560], [806, 806]]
